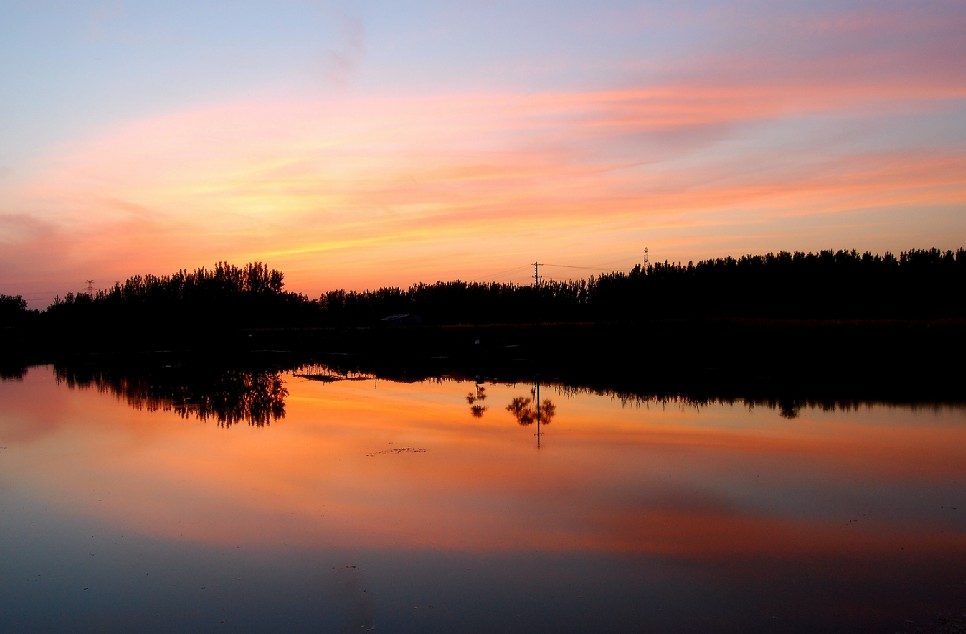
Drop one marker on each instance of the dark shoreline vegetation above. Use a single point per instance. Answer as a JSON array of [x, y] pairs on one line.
[[251, 389], [831, 327]]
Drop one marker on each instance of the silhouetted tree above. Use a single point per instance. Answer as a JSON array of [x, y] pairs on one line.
[[208, 304], [13, 310]]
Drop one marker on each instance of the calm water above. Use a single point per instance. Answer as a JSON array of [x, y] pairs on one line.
[[369, 504]]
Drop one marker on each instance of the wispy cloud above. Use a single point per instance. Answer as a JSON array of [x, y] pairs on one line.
[[823, 117]]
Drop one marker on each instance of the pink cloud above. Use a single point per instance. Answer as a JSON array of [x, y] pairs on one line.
[[328, 184]]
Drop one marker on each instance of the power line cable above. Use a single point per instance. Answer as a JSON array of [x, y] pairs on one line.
[[491, 276], [592, 267], [570, 266]]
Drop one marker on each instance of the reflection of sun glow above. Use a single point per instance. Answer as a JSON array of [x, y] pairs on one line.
[[379, 464]]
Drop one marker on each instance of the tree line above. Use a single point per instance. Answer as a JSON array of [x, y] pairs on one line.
[[916, 284], [825, 285]]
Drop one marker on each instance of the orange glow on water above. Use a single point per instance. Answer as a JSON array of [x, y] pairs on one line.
[[824, 514], [378, 464]]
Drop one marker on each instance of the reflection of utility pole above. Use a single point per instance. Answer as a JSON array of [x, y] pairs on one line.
[[538, 413], [528, 410], [476, 400]]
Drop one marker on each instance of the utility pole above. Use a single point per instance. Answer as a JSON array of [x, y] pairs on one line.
[[645, 258], [536, 274], [90, 287]]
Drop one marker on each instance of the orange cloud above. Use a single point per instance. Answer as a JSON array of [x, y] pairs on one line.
[[455, 185]]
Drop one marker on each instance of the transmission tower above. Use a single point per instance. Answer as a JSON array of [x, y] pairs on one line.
[[646, 260], [90, 287], [536, 274]]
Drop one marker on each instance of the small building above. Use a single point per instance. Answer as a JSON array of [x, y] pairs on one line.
[[402, 319]]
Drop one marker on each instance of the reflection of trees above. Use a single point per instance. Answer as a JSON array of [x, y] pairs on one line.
[[788, 408], [476, 401], [525, 409], [12, 373], [529, 410], [256, 397], [227, 396]]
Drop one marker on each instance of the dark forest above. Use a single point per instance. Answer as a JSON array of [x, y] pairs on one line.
[[825, 324], [917, 284]]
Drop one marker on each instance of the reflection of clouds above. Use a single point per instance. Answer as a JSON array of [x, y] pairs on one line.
[[356, 600], [660, 509], [33, 408], [710, 484]]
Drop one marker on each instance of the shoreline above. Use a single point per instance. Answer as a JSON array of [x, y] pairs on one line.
[[784, 361]]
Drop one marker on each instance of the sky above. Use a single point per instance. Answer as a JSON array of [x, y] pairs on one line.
[[365, 144]]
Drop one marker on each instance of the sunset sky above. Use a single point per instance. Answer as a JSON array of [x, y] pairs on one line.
[[363, 144]]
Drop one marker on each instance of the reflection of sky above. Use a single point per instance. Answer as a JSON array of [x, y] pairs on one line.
[[721, 505]]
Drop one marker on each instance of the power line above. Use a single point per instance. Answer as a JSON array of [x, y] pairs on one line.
[[593, 267], [490, 276], [570, 266]]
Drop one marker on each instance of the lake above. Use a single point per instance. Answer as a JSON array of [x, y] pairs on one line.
[[289, 501]]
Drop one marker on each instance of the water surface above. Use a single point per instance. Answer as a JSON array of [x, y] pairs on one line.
[[268, 501]]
